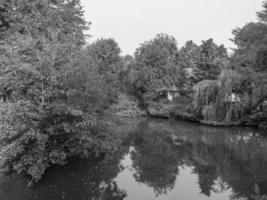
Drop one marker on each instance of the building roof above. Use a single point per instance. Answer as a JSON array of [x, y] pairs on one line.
[[172, 88]]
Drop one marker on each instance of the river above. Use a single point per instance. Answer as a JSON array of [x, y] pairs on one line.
[[159, 160]]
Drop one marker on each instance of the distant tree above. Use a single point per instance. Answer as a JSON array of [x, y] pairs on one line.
[[251, 42], [189, 55], [105, 54], [262, 15], [157, 66], [127, 60], [208, 66], [127, 74], [250, 56], [158, 52]]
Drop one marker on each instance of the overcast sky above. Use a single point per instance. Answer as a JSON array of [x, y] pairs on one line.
[[131, 22]]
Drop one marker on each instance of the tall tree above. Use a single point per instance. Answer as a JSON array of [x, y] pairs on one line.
[[158, 52], [263, 14], [39, 124], [250, 57], [189, 55], [105, 54], [41, 42], [208, 65], [157, 66], [251, 42]]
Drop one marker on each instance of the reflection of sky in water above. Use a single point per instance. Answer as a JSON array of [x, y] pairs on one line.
[[183, 189]]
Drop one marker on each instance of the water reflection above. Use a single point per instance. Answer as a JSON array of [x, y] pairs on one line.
[[160, 160]]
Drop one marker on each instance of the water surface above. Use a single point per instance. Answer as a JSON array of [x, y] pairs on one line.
[[161, 160]]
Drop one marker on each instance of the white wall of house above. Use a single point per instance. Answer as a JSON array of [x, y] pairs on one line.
[[170, 96], [233, 98]]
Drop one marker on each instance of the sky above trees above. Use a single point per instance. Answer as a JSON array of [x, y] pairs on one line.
[[130, 22]]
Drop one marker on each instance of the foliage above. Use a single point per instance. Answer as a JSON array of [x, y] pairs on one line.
[[263, 14], [157, 52], [42, 123], [251, 41], [211, 56], [32, 140], [205, 94], [250, 60], [87, 88], [127, 106], [220, 100], [203, 62], [105, 55], [247, 81], [189, 55], [157, 67]]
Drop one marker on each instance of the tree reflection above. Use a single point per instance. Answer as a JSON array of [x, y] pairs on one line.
[[80, 180], [156, 160], [112, 192], [155, 163], [221, 159]]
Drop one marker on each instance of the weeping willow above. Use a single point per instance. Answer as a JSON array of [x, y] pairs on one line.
[[220, 100], [205, 94]]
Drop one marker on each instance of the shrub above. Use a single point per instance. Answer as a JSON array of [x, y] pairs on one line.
[[32, 139]]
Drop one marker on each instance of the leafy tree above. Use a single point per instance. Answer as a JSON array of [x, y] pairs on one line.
[[250, 57], [157, 66], [251, 41], [40, 124], [105, 54], [263, 14], [87, 88], [189, 55], [211, 98], [208, 66], [157, 52]]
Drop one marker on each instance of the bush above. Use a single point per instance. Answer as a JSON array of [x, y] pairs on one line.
[[33, 139], [209, 113]]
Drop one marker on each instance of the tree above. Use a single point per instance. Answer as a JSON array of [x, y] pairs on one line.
[[262, 15], [158, 52], [40, 125], [213, 98], [189, 55], [157, 67], [251, 42], [211, 56], [106, 54], [250, 57], [41, 42]]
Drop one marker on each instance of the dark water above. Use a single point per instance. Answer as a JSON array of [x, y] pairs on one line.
[[162, 160]]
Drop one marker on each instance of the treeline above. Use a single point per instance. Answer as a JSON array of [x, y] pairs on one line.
[[215, 86], [52, 83]]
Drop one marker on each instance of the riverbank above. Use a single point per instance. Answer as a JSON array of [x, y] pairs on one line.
[[257, 118]]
